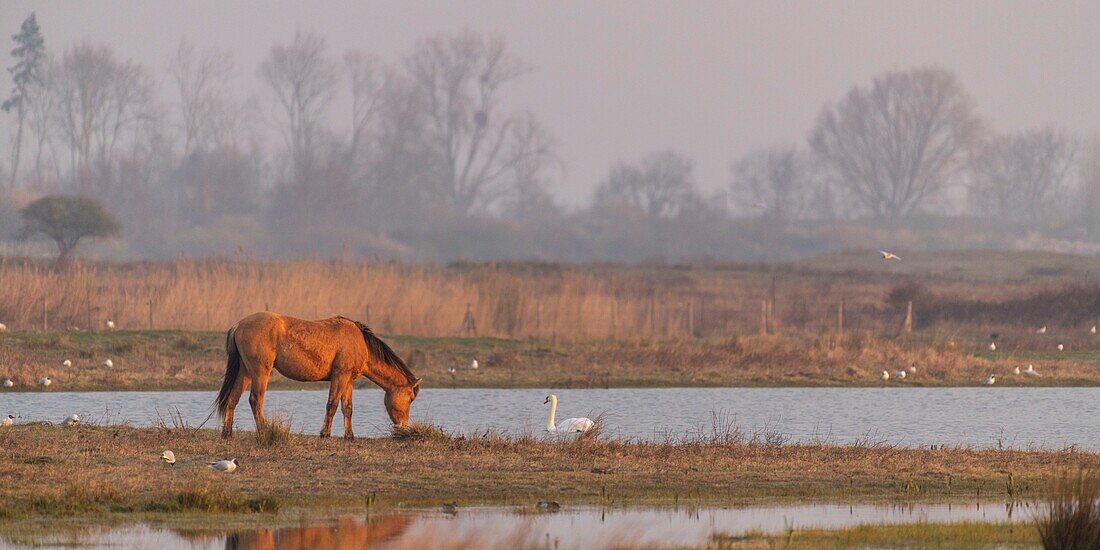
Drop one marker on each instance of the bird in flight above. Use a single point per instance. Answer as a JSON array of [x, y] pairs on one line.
[[889, 255]]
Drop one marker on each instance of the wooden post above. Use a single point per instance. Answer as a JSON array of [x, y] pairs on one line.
[[763, 317], [614, 318], [150, 315], [691, 317], [840, 318], [45, 316], [907, 327], [538, 318], [652, 316], [366, 316]]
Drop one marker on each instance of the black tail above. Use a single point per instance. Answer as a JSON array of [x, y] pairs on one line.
[[232, 370]]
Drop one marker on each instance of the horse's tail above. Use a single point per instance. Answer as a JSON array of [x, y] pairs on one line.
[[232, 371]]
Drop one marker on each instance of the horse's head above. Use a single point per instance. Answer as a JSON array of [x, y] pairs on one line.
[[399, 400]]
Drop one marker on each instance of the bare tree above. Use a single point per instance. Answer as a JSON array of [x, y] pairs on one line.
[[100, 102], [302, 79], [458, 80], [899, 142], [658, 186], [1023, 176], [367, 81], [777, 183], [199, 79]]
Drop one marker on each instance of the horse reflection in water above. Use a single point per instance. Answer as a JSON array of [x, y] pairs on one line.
[[341, 533]]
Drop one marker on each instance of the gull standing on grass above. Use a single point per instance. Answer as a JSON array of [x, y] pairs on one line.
[[900, 375], [168, 457], [473, 364], [224, 465], [110, 325], [8, 383], [66, 363], [1061, 347], [993, 346], [45, 381], [1093, 329], [885, 375], [108, 363], [72, 420], [1042, 330], [1016, 370], [1031, 371], [8, 420], [989, 381]]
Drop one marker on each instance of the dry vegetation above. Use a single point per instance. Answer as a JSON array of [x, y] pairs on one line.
[[171, 360], [47, 470]]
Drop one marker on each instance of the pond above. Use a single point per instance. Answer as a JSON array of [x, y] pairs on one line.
[[581, 527], [1050, 418]]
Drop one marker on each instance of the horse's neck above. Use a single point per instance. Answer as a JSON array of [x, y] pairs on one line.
[[385, 376]]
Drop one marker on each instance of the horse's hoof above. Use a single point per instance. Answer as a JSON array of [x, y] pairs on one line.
[[349, 437], [324, 435]]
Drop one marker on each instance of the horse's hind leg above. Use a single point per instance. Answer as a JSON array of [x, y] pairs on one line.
[[239, 386], [330, 406], [256, 396], [345, 405]]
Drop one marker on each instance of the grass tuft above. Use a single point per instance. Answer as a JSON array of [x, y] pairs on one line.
[[1072, 516], [274, 432], [421, 431]]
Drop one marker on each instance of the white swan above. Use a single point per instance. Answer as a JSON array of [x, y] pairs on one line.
[[569, 425]]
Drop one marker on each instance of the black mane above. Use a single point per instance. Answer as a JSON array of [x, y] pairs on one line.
[[381, 351]]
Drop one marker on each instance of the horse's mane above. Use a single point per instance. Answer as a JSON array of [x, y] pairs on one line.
[[382, 351]]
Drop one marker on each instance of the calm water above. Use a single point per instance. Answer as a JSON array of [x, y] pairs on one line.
[[567, 529], [980, 417]]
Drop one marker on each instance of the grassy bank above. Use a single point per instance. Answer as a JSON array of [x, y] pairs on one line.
[[100, 471], [176, 360]]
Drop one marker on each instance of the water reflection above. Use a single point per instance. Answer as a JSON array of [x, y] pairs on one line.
[[580, 527]]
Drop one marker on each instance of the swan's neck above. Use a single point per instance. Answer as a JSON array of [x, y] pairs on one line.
[[553, 413]]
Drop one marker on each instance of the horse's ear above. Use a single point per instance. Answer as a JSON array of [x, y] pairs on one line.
[[416, 387]]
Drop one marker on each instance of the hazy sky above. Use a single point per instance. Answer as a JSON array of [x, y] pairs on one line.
[[614, 80]]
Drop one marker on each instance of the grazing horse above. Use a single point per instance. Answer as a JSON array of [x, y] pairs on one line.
[[337, 349]]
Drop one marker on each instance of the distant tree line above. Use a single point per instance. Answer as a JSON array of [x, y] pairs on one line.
[[418, 157]]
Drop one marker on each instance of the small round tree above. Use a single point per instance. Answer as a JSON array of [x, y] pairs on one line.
[[67, 219]]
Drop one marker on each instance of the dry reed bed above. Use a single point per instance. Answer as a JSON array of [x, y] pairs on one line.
[[56, 470], [507, 300]]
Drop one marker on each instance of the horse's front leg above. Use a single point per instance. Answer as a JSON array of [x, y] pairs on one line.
[[330, 407], [345, 405]]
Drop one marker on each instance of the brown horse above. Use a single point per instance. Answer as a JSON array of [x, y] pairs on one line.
[[337, 349]]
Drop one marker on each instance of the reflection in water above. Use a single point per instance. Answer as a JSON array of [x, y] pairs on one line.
[[345, 532], [571, 528]]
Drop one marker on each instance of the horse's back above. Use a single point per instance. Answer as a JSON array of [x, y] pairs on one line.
[[300, 349]]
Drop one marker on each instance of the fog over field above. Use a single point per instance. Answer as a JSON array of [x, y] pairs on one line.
[[624, 131]]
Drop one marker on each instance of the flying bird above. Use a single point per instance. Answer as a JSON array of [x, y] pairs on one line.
[[889, 255], [66, 363], [990, 380], [224, 465], [759, 205], [45, 381], [1042, 330], [168, 457], [7, 421], [72, 420]]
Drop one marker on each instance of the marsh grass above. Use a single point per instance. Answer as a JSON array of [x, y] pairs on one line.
[[276, 430], [1071, 520]]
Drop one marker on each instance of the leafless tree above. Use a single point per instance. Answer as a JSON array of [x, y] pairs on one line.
[[777, 183], [199, 79], [899, 142], [367, 81], [658, 186], [102, 105], [1023, 176], [458, 80], [302, 79]]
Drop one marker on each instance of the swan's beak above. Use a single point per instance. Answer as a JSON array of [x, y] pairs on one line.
[[547, 401]]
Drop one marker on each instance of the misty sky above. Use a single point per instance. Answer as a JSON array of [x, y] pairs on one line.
[[614, 80]]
